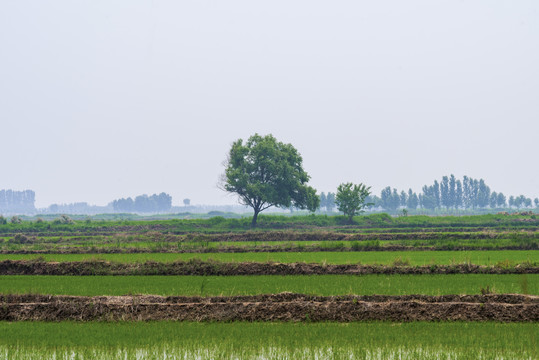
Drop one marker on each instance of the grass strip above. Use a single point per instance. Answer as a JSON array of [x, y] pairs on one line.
[[376, 340], [324, 285], [505, 257]]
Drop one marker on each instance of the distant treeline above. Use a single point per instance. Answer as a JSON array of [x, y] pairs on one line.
[[17, 201], [144, 204], [449, 193], [77, 208]]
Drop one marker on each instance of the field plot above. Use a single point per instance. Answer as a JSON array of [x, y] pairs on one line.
[[188, 340], [297, 288], [324, 285], [370, 257], [270, 241]]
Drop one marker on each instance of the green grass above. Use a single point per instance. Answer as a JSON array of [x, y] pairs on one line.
[[154, 340], [370, 257], [252, 285], [220, 223]]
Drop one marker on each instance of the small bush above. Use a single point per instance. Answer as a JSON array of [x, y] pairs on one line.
[[399, 261], [20, 239], [3, 220], [504, 264], [16, 220], [63, 219]]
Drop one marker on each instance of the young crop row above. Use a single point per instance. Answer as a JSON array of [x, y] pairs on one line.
[[183, 340], [324, 285], [413, 258]]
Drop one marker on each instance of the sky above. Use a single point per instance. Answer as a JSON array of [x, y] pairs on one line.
[[104, 99]]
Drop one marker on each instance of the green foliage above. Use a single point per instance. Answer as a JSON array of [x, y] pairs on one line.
[[264, 172], [3, 220], [325, 285], [20, 239], [372, 222], [16, 220], [350, 199], [63, 219]]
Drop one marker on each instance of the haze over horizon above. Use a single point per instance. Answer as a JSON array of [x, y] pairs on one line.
[[101, 100]]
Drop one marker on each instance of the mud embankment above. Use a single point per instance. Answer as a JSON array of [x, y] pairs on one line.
[[279, 307], [254, 249], [198, 267]]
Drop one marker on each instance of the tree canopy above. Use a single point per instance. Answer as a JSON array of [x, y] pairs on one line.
[[351, 198], [264, 172]]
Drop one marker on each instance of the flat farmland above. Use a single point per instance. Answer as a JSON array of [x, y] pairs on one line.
[[188, 340], [406, 288], [369, 257], [268, 284]]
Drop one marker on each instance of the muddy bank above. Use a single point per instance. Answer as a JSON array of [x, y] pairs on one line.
[[258, 248], [269, 236], [280, 297], [275, 235], [279, 307], [199, 267]]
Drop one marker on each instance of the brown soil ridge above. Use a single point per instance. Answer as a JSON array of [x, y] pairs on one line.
[[259, 248], [324, 234], [278, 307], [343, 236], [199, 267]]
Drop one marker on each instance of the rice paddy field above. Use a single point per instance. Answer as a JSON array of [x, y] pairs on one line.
[[371, 257], [270, 284], [464, 305], [171, 340]]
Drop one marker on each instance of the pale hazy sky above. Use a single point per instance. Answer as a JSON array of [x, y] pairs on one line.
[[101, 99]]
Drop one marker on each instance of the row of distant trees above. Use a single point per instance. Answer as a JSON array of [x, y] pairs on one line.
[[144, 204], [23, 202], [17, 201], [449, 193]]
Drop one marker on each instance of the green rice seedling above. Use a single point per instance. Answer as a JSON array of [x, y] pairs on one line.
[[264, 284], [502, 257], [239, 340]]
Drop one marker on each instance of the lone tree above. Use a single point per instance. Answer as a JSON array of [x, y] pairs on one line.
[[264, 172], [350, 199]]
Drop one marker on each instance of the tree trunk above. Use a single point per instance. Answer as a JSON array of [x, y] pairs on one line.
[[255, 216]]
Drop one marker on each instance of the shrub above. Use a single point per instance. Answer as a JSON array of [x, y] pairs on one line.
[[399, 261], [16, 220], [3, 220], [63, 219], [20, 239]]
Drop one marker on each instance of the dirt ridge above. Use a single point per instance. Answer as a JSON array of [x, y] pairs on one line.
[[273, 307], [208, 267], [257, 249]]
